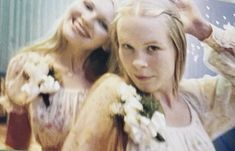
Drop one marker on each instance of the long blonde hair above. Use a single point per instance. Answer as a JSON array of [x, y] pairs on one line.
[[94, 66], [54, 42], [152, 8]]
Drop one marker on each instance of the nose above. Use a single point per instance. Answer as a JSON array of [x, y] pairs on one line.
[[140, 62], [89, 19]]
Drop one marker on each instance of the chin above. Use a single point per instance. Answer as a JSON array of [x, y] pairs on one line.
[[146, 88]]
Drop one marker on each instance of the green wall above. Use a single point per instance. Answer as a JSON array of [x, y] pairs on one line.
[[24, 21]]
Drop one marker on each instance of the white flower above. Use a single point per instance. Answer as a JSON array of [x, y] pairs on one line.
[[37, 69], [152, 129], [133, 104], [144, 125], [130, 119], [158, 120], [140, 129], [49, 85], [135, 133], [144, 120], [30, 88], [32, 91], [117, 108], [126, 91]]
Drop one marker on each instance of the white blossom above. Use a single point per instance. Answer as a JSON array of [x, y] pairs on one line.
[[37, 69], [140, 129]]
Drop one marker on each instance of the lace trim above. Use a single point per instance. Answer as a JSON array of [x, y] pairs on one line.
[[222, 40]]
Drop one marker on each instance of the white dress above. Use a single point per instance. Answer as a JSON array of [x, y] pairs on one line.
[[192, 137], [50, 124], [211, 101]]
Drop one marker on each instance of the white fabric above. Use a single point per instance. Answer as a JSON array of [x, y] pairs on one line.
[[215, 96], [52, 124], [211, 101], [188, 138]]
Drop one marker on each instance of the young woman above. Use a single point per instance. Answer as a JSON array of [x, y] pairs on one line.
[[52, 77], [149, 107]]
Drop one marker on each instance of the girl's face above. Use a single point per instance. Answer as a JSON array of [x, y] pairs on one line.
[[87, 21], [146, 52]]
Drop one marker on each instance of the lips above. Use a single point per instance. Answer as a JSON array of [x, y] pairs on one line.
[[142, 77], [81, 29]]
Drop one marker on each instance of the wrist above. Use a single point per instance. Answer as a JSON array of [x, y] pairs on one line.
[[19, 109], [203, 29]]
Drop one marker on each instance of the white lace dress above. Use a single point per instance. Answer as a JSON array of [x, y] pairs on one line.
[[52, 124], [211, 101], [187, 138]]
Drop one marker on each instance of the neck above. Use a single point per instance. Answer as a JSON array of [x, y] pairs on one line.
[[166, 98], [73, 58]]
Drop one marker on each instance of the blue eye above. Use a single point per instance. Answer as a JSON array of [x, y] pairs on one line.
[[103, 24], [126, 46], [153, 48], [88, 6]]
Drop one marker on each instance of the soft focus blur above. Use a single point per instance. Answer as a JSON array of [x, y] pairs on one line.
[[25, 21]]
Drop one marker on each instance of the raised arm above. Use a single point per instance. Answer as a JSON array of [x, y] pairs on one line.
[[15, 79], [26, 78], [214, 95], [96, 128], [18, 128]]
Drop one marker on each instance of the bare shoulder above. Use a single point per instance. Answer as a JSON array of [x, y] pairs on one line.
[[17, 62], [25, 54], [110, 77], [104, 92], [108, 81], [95, 128], [23, 57]]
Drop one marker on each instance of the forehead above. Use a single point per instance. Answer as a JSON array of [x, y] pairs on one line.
[[105, 8], [143, 28]]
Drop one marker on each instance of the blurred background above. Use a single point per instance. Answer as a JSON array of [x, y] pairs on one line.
[[25, 21]]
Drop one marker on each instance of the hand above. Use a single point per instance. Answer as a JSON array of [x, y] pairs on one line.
[[32, 91], [34, 69], [194, 23]]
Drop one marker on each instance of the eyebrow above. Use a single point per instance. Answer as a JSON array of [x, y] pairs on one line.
[[151, 42], [93, 5], [91, 2]]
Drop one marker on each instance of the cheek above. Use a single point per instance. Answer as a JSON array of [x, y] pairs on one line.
[[122, 60], [168, 66], [125, 61], [163, 64], [100, 35], [68, 33]]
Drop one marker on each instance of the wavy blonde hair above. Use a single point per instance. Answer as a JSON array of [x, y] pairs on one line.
[[152, 8], [54, 42]]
